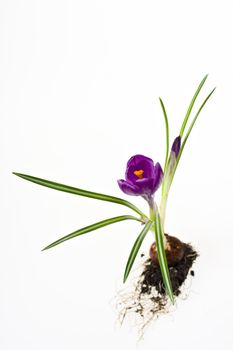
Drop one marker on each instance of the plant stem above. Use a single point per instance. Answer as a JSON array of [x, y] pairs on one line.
[[154, 209], [166, 185], [163, 206]]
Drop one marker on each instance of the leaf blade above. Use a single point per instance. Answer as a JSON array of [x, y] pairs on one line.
[[189, 110], [195, 119], [162, 257], [135, 249], [90, 228], [189, 131], [166, 131], [80, 192]]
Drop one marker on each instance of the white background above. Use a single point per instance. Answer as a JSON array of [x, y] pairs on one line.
[[79, 84]]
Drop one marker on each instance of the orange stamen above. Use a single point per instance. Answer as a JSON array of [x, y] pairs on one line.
[[139, 173]]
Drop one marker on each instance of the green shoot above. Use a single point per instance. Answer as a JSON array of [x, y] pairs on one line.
[[189, 131], [167, 132], [159, 239], [135, 249], [91, 228], [191, 105], [80, 192]]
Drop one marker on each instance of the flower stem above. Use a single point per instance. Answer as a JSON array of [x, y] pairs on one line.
[[153, 210], [163, 206], [166, 185]]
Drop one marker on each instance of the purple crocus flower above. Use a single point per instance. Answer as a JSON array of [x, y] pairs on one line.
[[176, 146], [142, 177]]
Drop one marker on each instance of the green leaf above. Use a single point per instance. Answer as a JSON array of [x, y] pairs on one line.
[[80, 192], [167, 132], [162, 257], [91, 228], [135, 249], [191, 105], [189, 131], [194, 121]]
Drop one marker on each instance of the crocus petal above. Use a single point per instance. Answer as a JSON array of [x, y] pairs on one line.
[[137, 159], [176, 145], [149, 186], [158, 176], [143, 178], [146, 186], [139, 162], [129, 188]]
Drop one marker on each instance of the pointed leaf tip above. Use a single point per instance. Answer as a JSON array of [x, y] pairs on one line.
[[192, 104], [90, 228], [80, 192]]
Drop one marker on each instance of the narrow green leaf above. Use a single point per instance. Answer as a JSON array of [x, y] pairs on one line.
[[189, 131], [135, 249], [162, 257], [92, 227], [191, 105], [80, 192], [194, 120], [167, 132]]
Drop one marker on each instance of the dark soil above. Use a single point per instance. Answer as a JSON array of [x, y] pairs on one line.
[[149, 299], [151, 276]]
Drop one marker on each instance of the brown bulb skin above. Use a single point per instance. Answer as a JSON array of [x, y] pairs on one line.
[[174, 251]]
